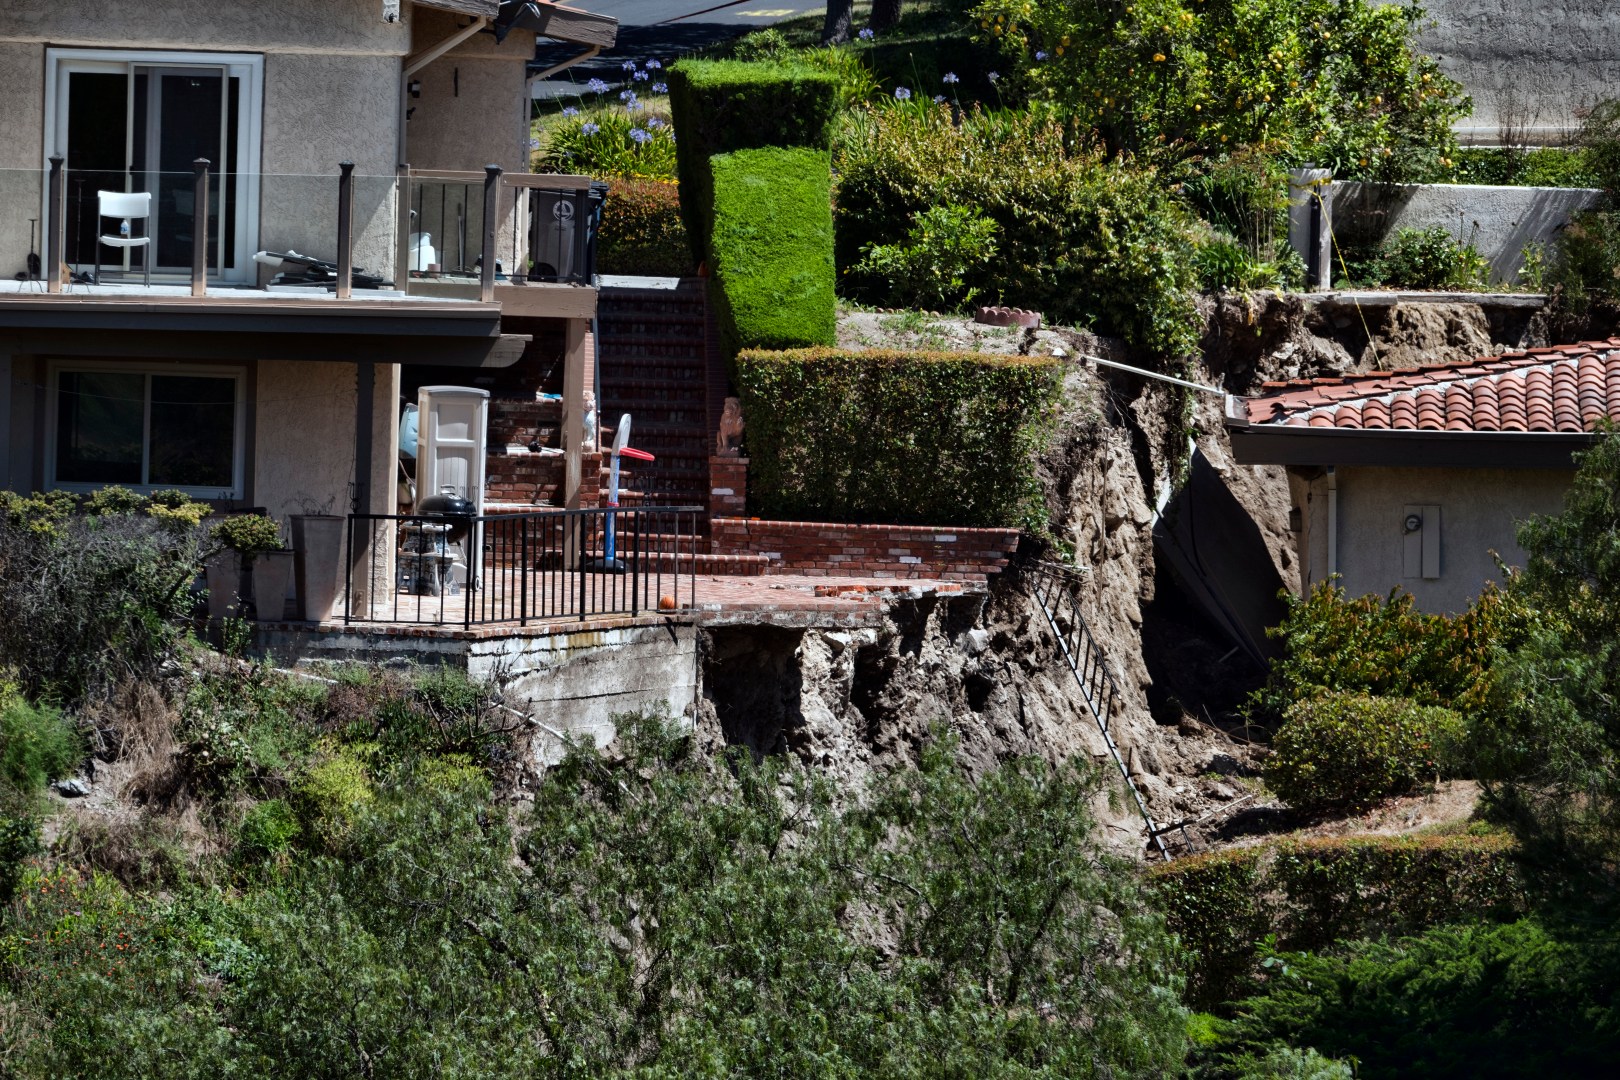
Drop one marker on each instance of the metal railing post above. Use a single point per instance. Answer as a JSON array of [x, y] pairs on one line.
[[348, 574], [492, 192], [199, 229], [55, 223], [345, 244]]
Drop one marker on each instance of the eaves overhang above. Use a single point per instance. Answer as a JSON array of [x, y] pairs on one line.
[[1267, 444], [359, 331]]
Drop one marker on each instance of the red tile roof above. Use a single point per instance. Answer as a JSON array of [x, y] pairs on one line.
[[1563, 389]]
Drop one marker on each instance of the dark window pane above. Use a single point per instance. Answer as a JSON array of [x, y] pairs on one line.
[[98, 427], [193, 431]]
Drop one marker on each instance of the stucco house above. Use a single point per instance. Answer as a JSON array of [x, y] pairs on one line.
[[220, 377], [1413, 478]]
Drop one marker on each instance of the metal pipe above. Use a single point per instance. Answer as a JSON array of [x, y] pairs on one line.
[[345, 251], [54, 222], [199, 228], [492, 193], [1332, 522], [1152, 374]]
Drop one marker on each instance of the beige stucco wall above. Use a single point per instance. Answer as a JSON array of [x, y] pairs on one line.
[[1479, 513], [303, 452]]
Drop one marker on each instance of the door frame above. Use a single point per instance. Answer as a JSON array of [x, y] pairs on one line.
[[248, 67]]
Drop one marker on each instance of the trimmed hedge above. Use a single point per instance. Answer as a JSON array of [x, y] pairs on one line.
[[771, 248], [721, 106], [903, 437], [642, 231], [1313, 893]]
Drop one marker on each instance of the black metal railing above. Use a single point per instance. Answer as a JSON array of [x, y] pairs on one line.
[[1055, 592], [456, 570]]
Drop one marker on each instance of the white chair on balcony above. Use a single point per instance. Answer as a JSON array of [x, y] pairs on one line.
[[128, 208]]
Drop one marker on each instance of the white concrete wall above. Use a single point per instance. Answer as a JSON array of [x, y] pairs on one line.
[[1534, 64], [1480, 510], [1498, 221]]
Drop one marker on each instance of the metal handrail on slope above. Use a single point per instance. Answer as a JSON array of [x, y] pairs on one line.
[[1054, 593]]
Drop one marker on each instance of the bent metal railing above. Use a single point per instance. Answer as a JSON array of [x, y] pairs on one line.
[[446, 570], [1054, 592]]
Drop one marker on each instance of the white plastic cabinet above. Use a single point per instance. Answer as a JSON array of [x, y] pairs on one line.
[[452, 441]]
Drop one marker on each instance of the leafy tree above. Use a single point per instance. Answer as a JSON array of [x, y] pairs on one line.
[[1333, 81], [1548, 745]]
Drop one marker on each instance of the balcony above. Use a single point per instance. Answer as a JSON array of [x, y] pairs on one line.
[[453, 248]]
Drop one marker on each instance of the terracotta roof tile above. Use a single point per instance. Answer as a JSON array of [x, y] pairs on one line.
[[1566, 388]]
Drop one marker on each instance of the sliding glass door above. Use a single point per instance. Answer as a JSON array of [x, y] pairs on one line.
[[135, 123]]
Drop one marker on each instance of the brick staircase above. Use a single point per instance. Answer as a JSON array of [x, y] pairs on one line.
[[654, 366]]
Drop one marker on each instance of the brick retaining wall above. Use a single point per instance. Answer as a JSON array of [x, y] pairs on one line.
[[900, 551]]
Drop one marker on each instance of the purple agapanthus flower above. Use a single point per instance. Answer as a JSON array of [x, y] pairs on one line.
[[629, 65], [868, 34], [589, 129], [534, 142], [950, 79], [634, 106], [660, 88], [1039, 55], [655, 65], [569, 110], [655, 121], [641, 76], [627, 95], [939, 99], [902, 94], [639, 135], [995, 76], [596, 86]]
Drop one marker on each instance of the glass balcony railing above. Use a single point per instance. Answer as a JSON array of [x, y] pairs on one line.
[[412, 232]]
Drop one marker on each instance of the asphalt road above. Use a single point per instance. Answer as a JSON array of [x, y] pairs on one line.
[[654, 30]]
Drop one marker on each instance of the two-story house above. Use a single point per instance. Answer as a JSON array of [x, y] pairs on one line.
[[185, 361]]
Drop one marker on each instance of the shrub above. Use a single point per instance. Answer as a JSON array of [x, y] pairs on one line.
[[1588, 256], [771, 249], [1385, 647], [1456, 1002], [612, 143], [1430, 259], [1081, 239], [268, 828], [946, 245], [37, 743], [1312, 894], [642, 232], [331, 795], [87, 600], [1333, 81], [248, 534], [1348, 750], [1510, 166], [721, 106], [893, 436], [19, 842]]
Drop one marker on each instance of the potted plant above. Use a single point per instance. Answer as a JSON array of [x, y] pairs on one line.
[[248, 540]]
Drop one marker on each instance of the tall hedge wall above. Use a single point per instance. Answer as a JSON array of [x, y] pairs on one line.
[[907, 437], [1313, 893], [721, 106], [770, 249]]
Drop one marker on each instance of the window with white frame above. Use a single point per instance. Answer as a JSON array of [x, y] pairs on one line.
[[134, 121], [145, 428]]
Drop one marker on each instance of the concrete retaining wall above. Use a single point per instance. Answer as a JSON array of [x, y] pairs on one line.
[[1499, 221], [575, 682]]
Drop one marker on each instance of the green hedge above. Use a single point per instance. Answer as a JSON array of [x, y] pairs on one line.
[[771, 248], [642, 231], [909, 437], [1312, 893], [721, 106]]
